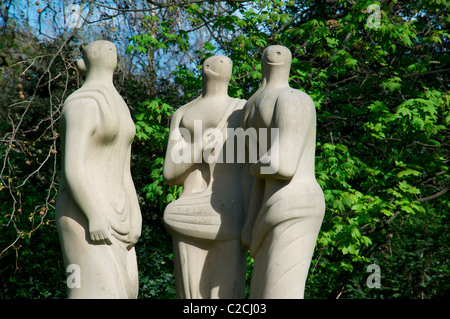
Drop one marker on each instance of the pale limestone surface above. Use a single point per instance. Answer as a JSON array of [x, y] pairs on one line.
[[286, 206], [206, 221], [97, 211]]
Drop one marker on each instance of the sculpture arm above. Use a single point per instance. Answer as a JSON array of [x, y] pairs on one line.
[[293, 114], [250, 102], [254, 206], [135, 210], [79, 121], [175, 172]]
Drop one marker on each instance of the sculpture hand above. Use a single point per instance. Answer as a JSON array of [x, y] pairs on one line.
[[136, 224], [133, 238], [99, 231], [211, 139]]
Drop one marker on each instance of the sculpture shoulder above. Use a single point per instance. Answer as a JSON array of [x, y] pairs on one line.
[[293, 97], [294, 102], [293, 107], [82, 106], [85, 100], [178, 114], [240, 103]]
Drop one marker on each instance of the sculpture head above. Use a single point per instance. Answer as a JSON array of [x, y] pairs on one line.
[[99, 56], [277, 55], [218, 67], [276, 58]]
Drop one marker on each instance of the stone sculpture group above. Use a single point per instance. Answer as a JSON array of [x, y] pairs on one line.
[[247, 171]]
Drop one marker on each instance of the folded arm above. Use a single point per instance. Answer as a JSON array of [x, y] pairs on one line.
[[176, 171], [293, 114]]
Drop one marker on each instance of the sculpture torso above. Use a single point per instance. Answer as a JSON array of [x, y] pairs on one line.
[[261, 114], [208, 111], [215, 209], [302, 190], [108, 150]]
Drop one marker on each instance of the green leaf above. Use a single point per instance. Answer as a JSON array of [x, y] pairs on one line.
[[408, 172], [393, 84], [209, 47]]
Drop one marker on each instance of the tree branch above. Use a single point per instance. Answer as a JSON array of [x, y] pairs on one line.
[[438, 194], [159, 5], [425, 73]]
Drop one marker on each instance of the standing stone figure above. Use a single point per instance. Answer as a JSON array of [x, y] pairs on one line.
[[97, 211], [286, 204], [206, 221]]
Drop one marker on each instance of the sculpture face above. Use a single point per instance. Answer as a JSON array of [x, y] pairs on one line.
[[219, 67], [276, 55]]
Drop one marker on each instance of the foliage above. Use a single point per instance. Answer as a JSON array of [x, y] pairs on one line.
[[155, 264], [150, 129], [30, 253]]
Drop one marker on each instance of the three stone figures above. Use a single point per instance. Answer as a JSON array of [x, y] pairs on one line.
[[247, 171]]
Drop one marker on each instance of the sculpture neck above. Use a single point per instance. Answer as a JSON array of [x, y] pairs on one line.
[[275, 84], [99, 78], [276, 77], [214, 89]]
